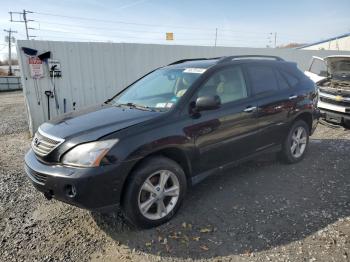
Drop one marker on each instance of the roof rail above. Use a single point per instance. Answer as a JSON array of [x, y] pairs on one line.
[[192, 59], [186, 60], [230, 58]]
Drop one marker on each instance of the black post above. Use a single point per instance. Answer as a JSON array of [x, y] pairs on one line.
[[48, 94]]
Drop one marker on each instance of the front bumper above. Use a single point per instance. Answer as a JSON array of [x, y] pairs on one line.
[[334, 116], [334, 108], [97, 188]]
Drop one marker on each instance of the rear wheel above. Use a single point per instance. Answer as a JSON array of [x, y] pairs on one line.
[[296, 143], [154, 192]]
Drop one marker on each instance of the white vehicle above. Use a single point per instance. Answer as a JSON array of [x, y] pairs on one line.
[[332, 76]]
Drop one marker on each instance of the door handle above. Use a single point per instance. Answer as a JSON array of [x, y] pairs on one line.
[[249, 109], [293, 97]]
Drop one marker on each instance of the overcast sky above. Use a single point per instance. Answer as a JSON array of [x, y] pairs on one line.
[[193, 22]]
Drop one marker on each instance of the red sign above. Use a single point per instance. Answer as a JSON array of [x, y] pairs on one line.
[[36, 67]]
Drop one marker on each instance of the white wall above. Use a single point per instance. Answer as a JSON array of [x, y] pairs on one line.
[[92, 72], [342, 44]]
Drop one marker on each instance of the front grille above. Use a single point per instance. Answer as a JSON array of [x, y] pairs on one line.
[[43, 144], [335, 91], [334, 102]]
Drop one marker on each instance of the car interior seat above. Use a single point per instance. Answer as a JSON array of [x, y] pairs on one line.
[[231, 86]]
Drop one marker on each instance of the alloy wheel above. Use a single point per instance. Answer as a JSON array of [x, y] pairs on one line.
[[298, 142], [158, 194]]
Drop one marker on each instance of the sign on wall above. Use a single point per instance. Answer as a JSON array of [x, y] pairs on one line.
[[36, 67], [54, 68], [169, 36]]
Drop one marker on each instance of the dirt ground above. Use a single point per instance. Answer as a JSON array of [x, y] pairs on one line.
[[261, 210]]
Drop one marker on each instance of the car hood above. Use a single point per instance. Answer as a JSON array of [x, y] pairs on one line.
[[94, 122]]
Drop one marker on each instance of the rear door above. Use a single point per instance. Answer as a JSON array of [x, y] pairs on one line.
[[230, 132], [317, 69], [275, 100]]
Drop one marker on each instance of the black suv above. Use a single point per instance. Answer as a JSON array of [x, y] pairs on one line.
[[170, 129]]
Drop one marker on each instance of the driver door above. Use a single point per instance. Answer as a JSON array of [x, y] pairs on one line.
[[229, 132]]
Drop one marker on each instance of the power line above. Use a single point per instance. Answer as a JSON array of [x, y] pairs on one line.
[[113, 29], [222, 35], [149, 25], [3, 48], [116, 21], [144, 31]]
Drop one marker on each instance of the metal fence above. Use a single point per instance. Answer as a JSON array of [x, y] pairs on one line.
[[9, 83], [93, 72]]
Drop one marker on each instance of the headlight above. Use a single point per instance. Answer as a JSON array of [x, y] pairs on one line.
[[88, 154]]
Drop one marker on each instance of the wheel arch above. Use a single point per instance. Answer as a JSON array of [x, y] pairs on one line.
[[174, 153], [307, 118]]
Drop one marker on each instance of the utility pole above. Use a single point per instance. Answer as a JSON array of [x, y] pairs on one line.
[[269, 39], [10, 40], [24, 20], [275, 38], [216, 35]]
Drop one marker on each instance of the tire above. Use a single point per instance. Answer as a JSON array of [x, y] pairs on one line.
[[289, 153], [148, 197], [347, 124]]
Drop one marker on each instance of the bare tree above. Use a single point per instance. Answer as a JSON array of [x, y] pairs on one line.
[[291, 45]]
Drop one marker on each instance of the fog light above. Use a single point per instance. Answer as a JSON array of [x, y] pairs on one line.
[[71, 191]]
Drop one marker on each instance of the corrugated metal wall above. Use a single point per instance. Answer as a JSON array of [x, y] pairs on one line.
[[92, 72]]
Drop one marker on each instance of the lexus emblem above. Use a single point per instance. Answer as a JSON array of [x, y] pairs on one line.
[[36, 142]]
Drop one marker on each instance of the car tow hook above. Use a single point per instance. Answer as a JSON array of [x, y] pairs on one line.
[[48, 195]]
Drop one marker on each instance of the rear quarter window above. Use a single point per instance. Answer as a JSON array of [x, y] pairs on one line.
[[292, 80], [282, 82], [262, 79]]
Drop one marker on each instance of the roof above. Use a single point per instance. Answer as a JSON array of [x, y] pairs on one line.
[[324, 41]]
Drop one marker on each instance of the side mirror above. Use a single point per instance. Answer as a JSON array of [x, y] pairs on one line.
[[207, 103]]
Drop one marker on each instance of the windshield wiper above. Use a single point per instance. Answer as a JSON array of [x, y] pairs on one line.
[[108, 100], [133, 105]]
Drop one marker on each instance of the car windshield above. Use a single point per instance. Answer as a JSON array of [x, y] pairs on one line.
[[160, 90]]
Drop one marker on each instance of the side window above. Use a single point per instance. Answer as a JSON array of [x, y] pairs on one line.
[[292, 80], [228, 84], [318, 67], [262, 78]]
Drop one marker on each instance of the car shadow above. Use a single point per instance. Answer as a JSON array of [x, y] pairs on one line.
[[255, 206]]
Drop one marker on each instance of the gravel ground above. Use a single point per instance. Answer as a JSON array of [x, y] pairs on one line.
[[259, 211]]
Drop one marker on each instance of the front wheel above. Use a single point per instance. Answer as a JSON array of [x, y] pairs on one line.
[[347, 124], [296, 143], [154, 192]]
